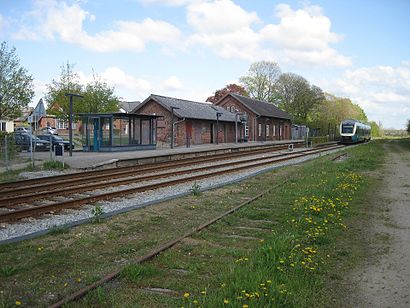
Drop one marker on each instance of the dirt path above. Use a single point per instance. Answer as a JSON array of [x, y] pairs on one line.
[[384, 278]]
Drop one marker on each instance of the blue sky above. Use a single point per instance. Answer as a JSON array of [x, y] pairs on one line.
[[190, 48]]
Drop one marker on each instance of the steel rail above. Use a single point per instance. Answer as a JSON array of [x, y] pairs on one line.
[[82, 292], [26, 195], [90, 175], [47, 208]]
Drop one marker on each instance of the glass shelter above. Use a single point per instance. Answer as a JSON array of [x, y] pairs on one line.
[[109, 132]]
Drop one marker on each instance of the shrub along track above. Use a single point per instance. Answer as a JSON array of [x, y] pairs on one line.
[[11, 195]]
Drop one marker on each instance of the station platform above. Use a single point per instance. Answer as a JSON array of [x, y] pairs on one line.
[[93, 160]]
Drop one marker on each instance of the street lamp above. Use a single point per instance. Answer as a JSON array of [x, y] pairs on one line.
[[70, 120], [218, 114], [172, 125]]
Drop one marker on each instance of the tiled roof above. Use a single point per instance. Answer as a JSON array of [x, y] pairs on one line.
[[129, 106], [190, 109], [261, 108]]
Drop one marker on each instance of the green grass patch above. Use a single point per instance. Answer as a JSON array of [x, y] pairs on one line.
[[55, 165]]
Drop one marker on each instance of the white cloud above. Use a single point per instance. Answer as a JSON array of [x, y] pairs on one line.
[[224, 27], [173, 83], [382, 91], [304, 37], [170, 2], [66, 22]]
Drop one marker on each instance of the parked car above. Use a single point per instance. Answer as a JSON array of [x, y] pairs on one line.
[[49, 130], [23, 140], [21, 129], [56, 140]]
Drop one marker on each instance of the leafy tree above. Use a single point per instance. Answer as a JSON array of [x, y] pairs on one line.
[[99, 97], [230, 88], [408, 126], [375, 129], [328, 114], [261, 81], [297, 96], [16, 85], [58, 103]]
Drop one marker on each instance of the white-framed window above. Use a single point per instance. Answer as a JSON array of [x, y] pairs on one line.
[[267, 130], [62, 124], [274, 130], [3, 126], [259, 129], [280, 130]]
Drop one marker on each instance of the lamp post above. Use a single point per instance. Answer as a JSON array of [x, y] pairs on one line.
[[172, 125], [218, 114], [70, 119]]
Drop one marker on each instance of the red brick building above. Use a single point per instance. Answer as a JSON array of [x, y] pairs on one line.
[[194, 122], [264, 121]]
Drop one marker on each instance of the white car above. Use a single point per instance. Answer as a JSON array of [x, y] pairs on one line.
[[21, 129], [49, 130]]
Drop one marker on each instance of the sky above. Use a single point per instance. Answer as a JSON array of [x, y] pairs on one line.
[[188, 49]]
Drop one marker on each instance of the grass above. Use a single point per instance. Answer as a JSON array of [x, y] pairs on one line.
[[285, 260]]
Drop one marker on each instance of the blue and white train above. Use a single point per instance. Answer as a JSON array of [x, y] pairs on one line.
[[354, 131]]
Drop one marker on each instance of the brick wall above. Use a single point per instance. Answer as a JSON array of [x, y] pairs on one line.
[[279, 129]]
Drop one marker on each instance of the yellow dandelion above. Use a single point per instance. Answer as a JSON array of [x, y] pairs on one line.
[[18, 303], [245, 306], [186, 295], [226, 301]]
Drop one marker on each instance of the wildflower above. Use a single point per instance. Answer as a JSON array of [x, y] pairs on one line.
[[78, 279], [245, 306], [268, 281], [226, 301], [18, 303], [40, 248], [223, 285], [195, 302], [203, 292], [186, 295]]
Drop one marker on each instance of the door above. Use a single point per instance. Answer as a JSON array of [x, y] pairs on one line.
[[211, 131]]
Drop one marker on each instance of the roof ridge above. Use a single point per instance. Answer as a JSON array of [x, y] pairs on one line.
[[181, 99]]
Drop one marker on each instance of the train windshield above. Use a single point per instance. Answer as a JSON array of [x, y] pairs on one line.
[[347, 128]]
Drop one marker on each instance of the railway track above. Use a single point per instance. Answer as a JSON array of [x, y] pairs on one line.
[[15, 197]]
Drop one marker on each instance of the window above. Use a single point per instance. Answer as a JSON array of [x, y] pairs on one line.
[[274, 130], [259, 129], [246, 130], [267, 130], [62, 124], [3, 126]]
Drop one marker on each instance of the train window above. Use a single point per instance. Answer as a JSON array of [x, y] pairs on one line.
[[347, 128]]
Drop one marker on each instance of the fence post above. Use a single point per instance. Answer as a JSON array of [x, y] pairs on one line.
[[6, 152]]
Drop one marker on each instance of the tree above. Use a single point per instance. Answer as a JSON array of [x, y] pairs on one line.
[[408, 126], [99, 97], [328, 114], [261, 81], [297, 96], [375, 129], [16, 85], [230, 88], [58, 103]]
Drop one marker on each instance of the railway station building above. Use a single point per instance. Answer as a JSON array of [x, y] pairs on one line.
[[264, 121], [190, 123]]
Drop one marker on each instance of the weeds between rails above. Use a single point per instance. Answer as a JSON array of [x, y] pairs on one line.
[[214, 260]]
